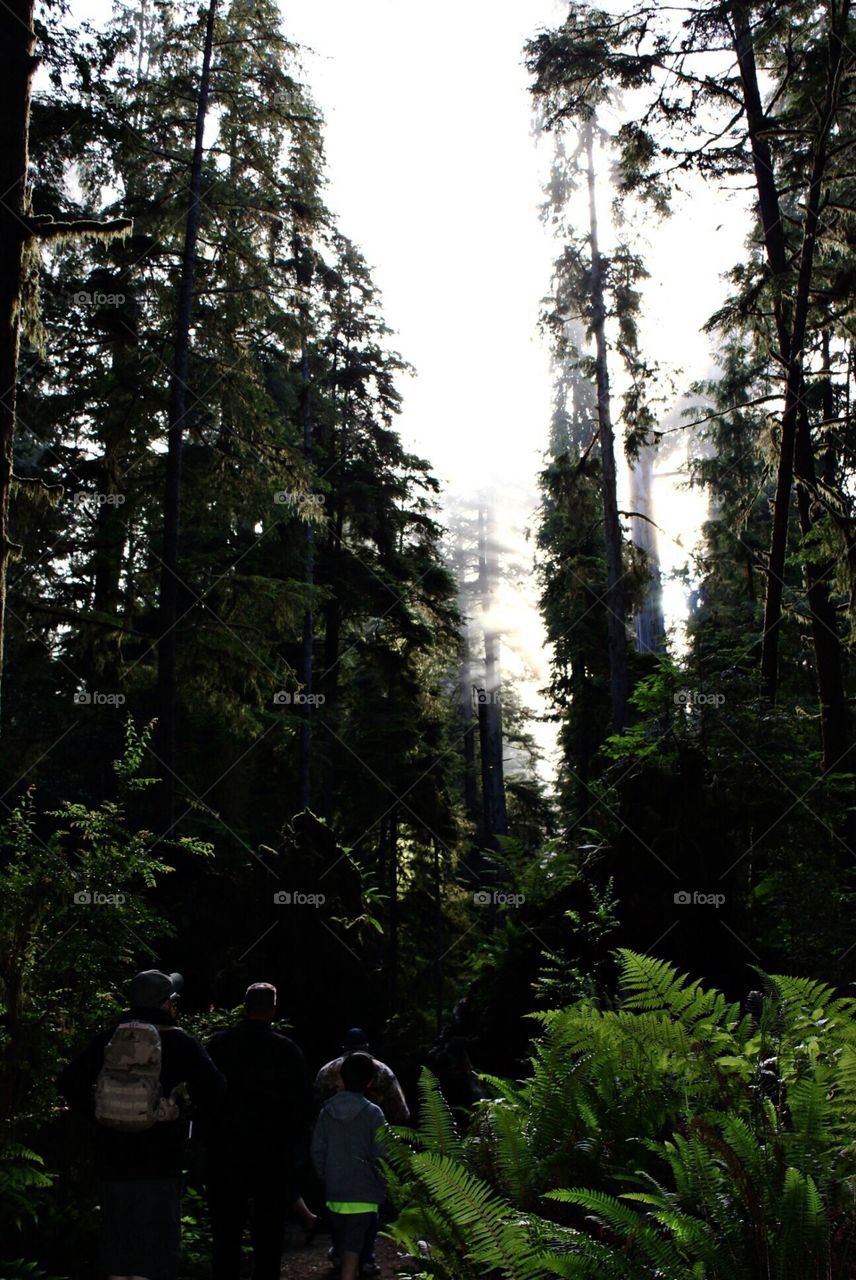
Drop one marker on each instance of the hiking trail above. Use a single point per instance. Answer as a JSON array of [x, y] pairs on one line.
[[309, 1262]]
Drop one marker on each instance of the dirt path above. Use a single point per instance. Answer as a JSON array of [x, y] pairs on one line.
[[310, 1263]]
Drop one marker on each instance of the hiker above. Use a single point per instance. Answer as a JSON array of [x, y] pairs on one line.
[[345, 1149], [385, 1091], [255, 1144], [136, 1082]]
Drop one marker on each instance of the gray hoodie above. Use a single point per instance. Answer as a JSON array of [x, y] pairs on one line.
[[345, 1149]]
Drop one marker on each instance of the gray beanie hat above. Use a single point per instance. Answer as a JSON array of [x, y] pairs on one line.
[[150, 988]]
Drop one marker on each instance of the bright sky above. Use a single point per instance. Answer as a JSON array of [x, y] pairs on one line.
[[434, 172]]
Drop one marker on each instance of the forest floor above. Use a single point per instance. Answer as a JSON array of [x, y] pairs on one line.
[[302, 1262]]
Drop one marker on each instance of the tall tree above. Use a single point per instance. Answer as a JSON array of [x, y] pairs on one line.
[[21, 232], [169, 587], [495, 818], [615, 593], [791, 307], [734, 133]]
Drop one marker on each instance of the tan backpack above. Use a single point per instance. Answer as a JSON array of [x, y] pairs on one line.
[[128, 1093]]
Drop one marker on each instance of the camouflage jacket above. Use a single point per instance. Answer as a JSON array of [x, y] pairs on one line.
[[384, 1091]]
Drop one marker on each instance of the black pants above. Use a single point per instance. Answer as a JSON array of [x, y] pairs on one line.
[[234, 1191], [354, 1233], [140, 1227]]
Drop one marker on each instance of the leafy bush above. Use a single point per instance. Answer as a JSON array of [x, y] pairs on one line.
[[61, 961]]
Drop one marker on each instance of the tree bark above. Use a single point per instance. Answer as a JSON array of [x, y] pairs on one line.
[[305, 770], [834, 718], [616, 608], [439, 932], [330, 685], [392, 947], [495, 820], [466, 685], [169, 582], [17, 66], [18, 230], [650, 627], [471, 793]]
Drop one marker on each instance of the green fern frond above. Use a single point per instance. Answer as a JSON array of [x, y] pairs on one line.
[[642, 1239], [803, 1236], [493, 1234], [518, 1171], [655, 985], [438, 1131]]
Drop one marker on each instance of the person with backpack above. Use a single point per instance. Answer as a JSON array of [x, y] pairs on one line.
[[136, 1082], [346, 1145], [385, 1091], [255, 1145]]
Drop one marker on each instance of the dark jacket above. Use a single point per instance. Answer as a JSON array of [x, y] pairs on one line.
[[346, 1148], [268, 1095], [157, 1152]]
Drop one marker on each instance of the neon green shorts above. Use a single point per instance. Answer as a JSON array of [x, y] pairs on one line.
[[351, 1206]]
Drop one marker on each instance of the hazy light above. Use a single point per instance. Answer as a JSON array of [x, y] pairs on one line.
[[434, 172]]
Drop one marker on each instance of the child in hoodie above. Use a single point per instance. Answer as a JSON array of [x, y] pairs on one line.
[[345, 1149]]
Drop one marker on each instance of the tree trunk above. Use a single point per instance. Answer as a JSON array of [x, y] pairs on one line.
[[487, 823], [17, 65], [169, 583], [466, 686], [489, 697], [111, 523], [615, 594], [829, 466], [471, 793], [392, 948], [493, 719], [18, 230], [308, 617], [834, 718], [439, 935], [330, 685], [330, 677], [650, 627]]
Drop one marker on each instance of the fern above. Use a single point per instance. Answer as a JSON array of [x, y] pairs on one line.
[[514, 1157], [655, 985], [641, 1240], [438, 1131], [22, 1173], [20, 1269], [494, 1235], [698, 1143]]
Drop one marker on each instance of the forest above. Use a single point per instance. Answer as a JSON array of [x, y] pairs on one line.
[[256, 720]]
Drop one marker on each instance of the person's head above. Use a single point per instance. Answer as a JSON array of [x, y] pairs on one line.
[[355, 1040], [358, 1071], [151, 989], [260, 1002]]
